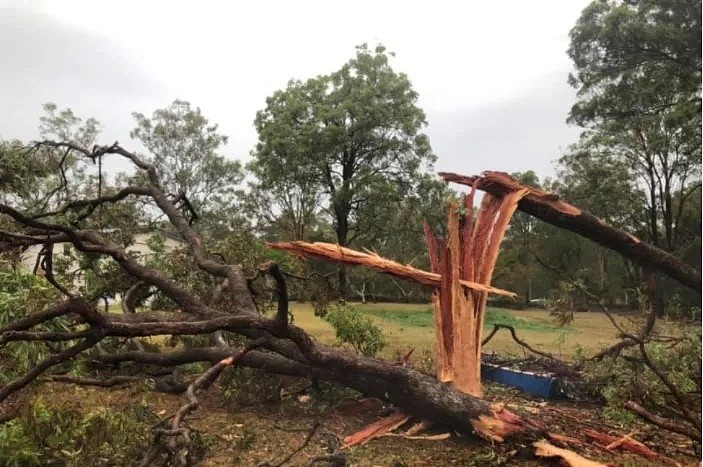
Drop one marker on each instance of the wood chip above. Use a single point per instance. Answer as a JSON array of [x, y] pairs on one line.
[[376, 429], [545, 449], [418, 428], [565, 438], [438, 437], [625, 443]]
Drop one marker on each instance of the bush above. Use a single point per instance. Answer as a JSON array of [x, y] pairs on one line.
[[21, 295], [629, 378], [355, 329], [52, 434]]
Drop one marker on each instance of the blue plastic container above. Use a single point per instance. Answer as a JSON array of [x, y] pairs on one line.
[[541, 385]]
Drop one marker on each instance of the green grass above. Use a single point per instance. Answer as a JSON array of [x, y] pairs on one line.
[[409, 326], [425, 319]]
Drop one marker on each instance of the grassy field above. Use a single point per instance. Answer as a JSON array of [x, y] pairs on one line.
[[409, 326]]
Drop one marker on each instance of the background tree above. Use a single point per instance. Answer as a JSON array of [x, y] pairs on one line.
[[286, 207], [186, 147], [38, 180], [355, 136], [516, 269], [638, 76], [604, 187]]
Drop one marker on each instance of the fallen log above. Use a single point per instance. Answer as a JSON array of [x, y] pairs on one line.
[[418, 394], [549, 208]]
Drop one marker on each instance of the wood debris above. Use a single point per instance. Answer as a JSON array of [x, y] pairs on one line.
[[375, 430], [545, 449], [340, 254], [626, 443]]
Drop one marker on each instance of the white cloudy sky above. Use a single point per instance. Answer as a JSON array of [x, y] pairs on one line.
[[491, 75]]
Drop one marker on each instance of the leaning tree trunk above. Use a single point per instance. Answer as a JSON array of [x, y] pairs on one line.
[[549, 208]]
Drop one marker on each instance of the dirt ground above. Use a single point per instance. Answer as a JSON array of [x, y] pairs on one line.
[[253, 434], [249, 432]]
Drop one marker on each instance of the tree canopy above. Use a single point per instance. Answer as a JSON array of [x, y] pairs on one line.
[[186, 148], [353, 138]]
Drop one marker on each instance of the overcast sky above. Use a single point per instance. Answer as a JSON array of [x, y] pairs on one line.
[[492, 76]]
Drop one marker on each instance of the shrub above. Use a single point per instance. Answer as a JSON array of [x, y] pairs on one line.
[[355, 329], [630, 378], [21, 295], [53, 434]]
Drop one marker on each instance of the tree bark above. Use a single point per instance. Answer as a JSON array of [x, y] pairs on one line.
[[342, 277], [342, 239], [547, 207], [416, 393]]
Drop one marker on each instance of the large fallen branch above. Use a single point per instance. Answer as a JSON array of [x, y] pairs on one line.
[[549, 208], [340, 254]]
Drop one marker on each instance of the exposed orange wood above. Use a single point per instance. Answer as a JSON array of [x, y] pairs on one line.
[[376, 429], [340, 254]]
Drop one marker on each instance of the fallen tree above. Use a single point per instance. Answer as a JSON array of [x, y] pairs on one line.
[[271, 344], [275, 344]]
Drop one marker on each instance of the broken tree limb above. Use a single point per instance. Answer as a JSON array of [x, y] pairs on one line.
[[416, 393], [661, 422], [626, 443], [340, 254], [549, 208]]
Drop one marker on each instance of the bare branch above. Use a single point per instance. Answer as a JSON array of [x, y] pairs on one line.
[[48, 267], [693, 433], [49, 336], [282, 292], [497, 327], [73, 305]]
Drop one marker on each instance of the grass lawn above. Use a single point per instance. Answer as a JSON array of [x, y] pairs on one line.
[[409, 326]]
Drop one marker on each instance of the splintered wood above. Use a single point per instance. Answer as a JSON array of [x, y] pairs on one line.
[[340, 254], [462, 268], [544, 449], [376, 430], [468, 255]]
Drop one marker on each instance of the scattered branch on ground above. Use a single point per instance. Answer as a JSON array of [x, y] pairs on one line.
[[288, 457], [497, 327]]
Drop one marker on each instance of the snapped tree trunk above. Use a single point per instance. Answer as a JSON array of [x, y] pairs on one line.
[[462, 268], [470, 254]]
